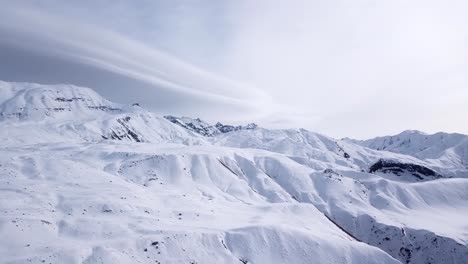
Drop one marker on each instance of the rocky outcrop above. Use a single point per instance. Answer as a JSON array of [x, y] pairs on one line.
[[399, 168]]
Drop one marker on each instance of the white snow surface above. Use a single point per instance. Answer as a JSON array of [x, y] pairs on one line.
[[448, 151], [85, 180]]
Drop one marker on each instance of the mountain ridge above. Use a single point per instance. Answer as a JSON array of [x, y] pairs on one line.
[[447, 149], [129, 186]]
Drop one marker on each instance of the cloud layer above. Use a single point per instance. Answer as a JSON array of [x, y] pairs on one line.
[[364, 68], [360, 68], [34, 30]]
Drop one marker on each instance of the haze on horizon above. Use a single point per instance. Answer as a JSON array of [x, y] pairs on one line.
[[358, 69]]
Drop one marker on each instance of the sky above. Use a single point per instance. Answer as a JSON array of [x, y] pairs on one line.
[[360, 68]]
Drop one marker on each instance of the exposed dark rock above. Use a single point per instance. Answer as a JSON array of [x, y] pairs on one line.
[[124, 131], [105, 108], [62, 99], [398, 168], [244, 261], [229, 128], [340, 149], [406, 254], [330, 171]]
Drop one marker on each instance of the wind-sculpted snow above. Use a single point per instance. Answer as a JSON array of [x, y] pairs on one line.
[[93, 185], [127, 203]]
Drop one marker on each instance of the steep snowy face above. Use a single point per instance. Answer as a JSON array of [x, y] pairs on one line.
[[440, 149], [37, 102], [196, 125]]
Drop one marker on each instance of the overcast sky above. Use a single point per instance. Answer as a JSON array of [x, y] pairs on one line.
[[356, 68]]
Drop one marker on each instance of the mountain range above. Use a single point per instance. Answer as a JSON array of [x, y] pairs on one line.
[[86, 180]]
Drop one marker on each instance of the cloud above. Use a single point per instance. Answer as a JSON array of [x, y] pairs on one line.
[[343, 68], [33, 29], [361, 68]]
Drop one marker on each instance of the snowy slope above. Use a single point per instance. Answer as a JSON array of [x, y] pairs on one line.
[[144, 203], [321, 152], [93, 185], [444, 150]]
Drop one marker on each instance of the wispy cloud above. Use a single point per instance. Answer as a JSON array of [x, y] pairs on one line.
[[31, 28], [344, 68], [365, 68]]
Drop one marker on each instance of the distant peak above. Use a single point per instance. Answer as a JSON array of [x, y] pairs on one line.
[[205, 129], [406, 132]]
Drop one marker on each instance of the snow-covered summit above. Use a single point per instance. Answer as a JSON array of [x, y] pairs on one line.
[[77, 113], [25, 101]]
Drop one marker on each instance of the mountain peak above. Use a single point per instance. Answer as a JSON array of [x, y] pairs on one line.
[[205, 129], [25, 101]]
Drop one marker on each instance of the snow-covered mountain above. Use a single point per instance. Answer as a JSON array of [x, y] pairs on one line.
[[203, 128], [67, 112], [85, 180], [442, 150]]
